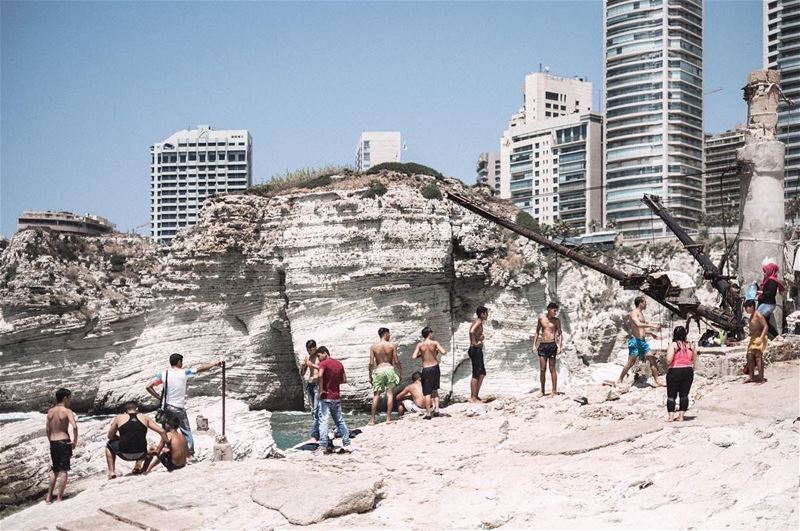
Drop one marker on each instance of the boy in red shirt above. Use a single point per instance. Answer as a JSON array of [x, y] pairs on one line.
[[331, 375]]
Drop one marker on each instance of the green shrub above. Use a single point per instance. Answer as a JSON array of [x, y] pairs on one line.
[[430, 191], [374, 189], [299, 178], [316, 182], [117, 262], [408, 168], [526, 220]]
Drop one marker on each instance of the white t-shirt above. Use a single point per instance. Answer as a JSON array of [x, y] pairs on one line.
[[176, 385]]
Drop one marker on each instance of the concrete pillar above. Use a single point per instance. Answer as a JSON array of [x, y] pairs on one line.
[[762, 158]]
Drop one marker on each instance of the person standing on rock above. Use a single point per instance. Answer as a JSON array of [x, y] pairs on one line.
[[127, 438], [429, 349], [331, 376], [638, 349], [174, 379], [309, 370], [59, 418], [758, 327], [549, 326], [681, 357], [383, 355], [476, 354]]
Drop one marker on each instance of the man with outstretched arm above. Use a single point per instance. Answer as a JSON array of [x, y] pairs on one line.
[[476, 354], [59, 418], [549, 326], [429, 349], [383, 355], [174, 379], [638, 349]]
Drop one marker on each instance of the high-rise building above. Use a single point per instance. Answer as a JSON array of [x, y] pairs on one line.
[[653, 94], [190, 166], [782, 53], [488, 171], [376, 148], [551, 153], [722, 182]]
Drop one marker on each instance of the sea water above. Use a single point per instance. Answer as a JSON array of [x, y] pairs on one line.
[[290, 428]]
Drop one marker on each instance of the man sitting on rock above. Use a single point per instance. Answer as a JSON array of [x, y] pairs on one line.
[[127, 438], [411, 397], [172, 451], [383, 354], [429, 349]]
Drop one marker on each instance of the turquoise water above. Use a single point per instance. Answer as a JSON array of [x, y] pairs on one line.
[[292, 427]]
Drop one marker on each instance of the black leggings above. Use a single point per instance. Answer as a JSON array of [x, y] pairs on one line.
[[679, 382]]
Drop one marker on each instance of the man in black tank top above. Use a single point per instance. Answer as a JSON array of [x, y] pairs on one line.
[[127, 438]]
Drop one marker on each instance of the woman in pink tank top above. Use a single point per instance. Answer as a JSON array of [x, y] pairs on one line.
[[681, 357]]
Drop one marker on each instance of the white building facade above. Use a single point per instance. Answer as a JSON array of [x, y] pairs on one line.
[[722, 182], [653, 94], [376, 147], [782, 52], [488, 171], [190, 166]]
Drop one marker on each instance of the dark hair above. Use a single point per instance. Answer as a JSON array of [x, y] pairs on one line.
[[173, 422], [480, 310], [130, 404], [175, 359], [638, 300], [382, 330], [750, 303], [416, 376], [552, 306], [679, 334], [323, 350], [62, 393], [426, 331], [311, 343]]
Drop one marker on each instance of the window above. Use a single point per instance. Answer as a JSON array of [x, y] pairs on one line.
[[551, 96]]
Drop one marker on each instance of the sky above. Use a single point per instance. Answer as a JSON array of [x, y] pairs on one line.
[[87, 88]]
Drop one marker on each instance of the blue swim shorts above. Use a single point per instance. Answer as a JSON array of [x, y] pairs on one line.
[[638, 347]]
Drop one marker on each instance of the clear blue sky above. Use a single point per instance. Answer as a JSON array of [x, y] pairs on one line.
[[86, 88]]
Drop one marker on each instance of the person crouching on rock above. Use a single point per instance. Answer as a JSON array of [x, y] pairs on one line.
[[411, 398], [172, 451], [383, 355], [429, 349], [127, 438], [681, 357], [59, 418], [174, 382], [331, 376]]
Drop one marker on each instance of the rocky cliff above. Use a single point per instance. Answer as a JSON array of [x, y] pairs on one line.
[[258, 276]]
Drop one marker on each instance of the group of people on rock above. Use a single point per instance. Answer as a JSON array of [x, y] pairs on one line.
[[127, 433]]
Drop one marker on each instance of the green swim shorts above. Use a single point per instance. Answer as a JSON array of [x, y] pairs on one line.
[[383, 379]]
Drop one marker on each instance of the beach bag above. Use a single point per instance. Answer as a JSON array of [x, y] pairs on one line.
[[161, 412]]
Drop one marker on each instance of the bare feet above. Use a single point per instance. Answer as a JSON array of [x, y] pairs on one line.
[[748, 380], [669, 419], [679, 419], [541, 395], [372, 421], [48, 500], [475, 401], [553, 394], [660, 384]]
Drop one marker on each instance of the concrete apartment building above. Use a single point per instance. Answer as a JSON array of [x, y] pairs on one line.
[[782, 52], [376, 147], [488, 170], [722, 184], [551, 153], [653, 94], [65, 222], [190, 166]]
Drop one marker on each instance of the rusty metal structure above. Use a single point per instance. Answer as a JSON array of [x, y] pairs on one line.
[[655, 284]]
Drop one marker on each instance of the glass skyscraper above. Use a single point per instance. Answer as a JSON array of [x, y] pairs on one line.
[[653, 100]]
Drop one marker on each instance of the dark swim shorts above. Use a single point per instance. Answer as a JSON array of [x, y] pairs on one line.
[[60, 454], [166, 460], [548, 350], [430, 379], [476, 356]]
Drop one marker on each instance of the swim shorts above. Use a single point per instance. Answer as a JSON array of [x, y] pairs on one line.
[[756, 346], [60, 454], [548, 350], [383, 379], [166, 460], [638, 347], [430, 379], [476, 356], [411, 407], [113, 447]]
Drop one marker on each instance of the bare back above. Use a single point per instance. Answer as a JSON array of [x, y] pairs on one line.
[[549, 328], [429, 350], [384, 353], [58, 420], [178, 447]]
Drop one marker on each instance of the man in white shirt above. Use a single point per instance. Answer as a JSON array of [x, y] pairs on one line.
[[174, 379]]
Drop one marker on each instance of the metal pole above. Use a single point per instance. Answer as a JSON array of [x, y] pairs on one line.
[[223, 399]]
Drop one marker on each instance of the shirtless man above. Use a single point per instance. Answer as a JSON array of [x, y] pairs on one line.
[[59, 418], [383, 355], [637, 344], [476, 354], [549, 326], [411, 397], [758, 343], [309, 371], [429, 349], [172, 451]]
